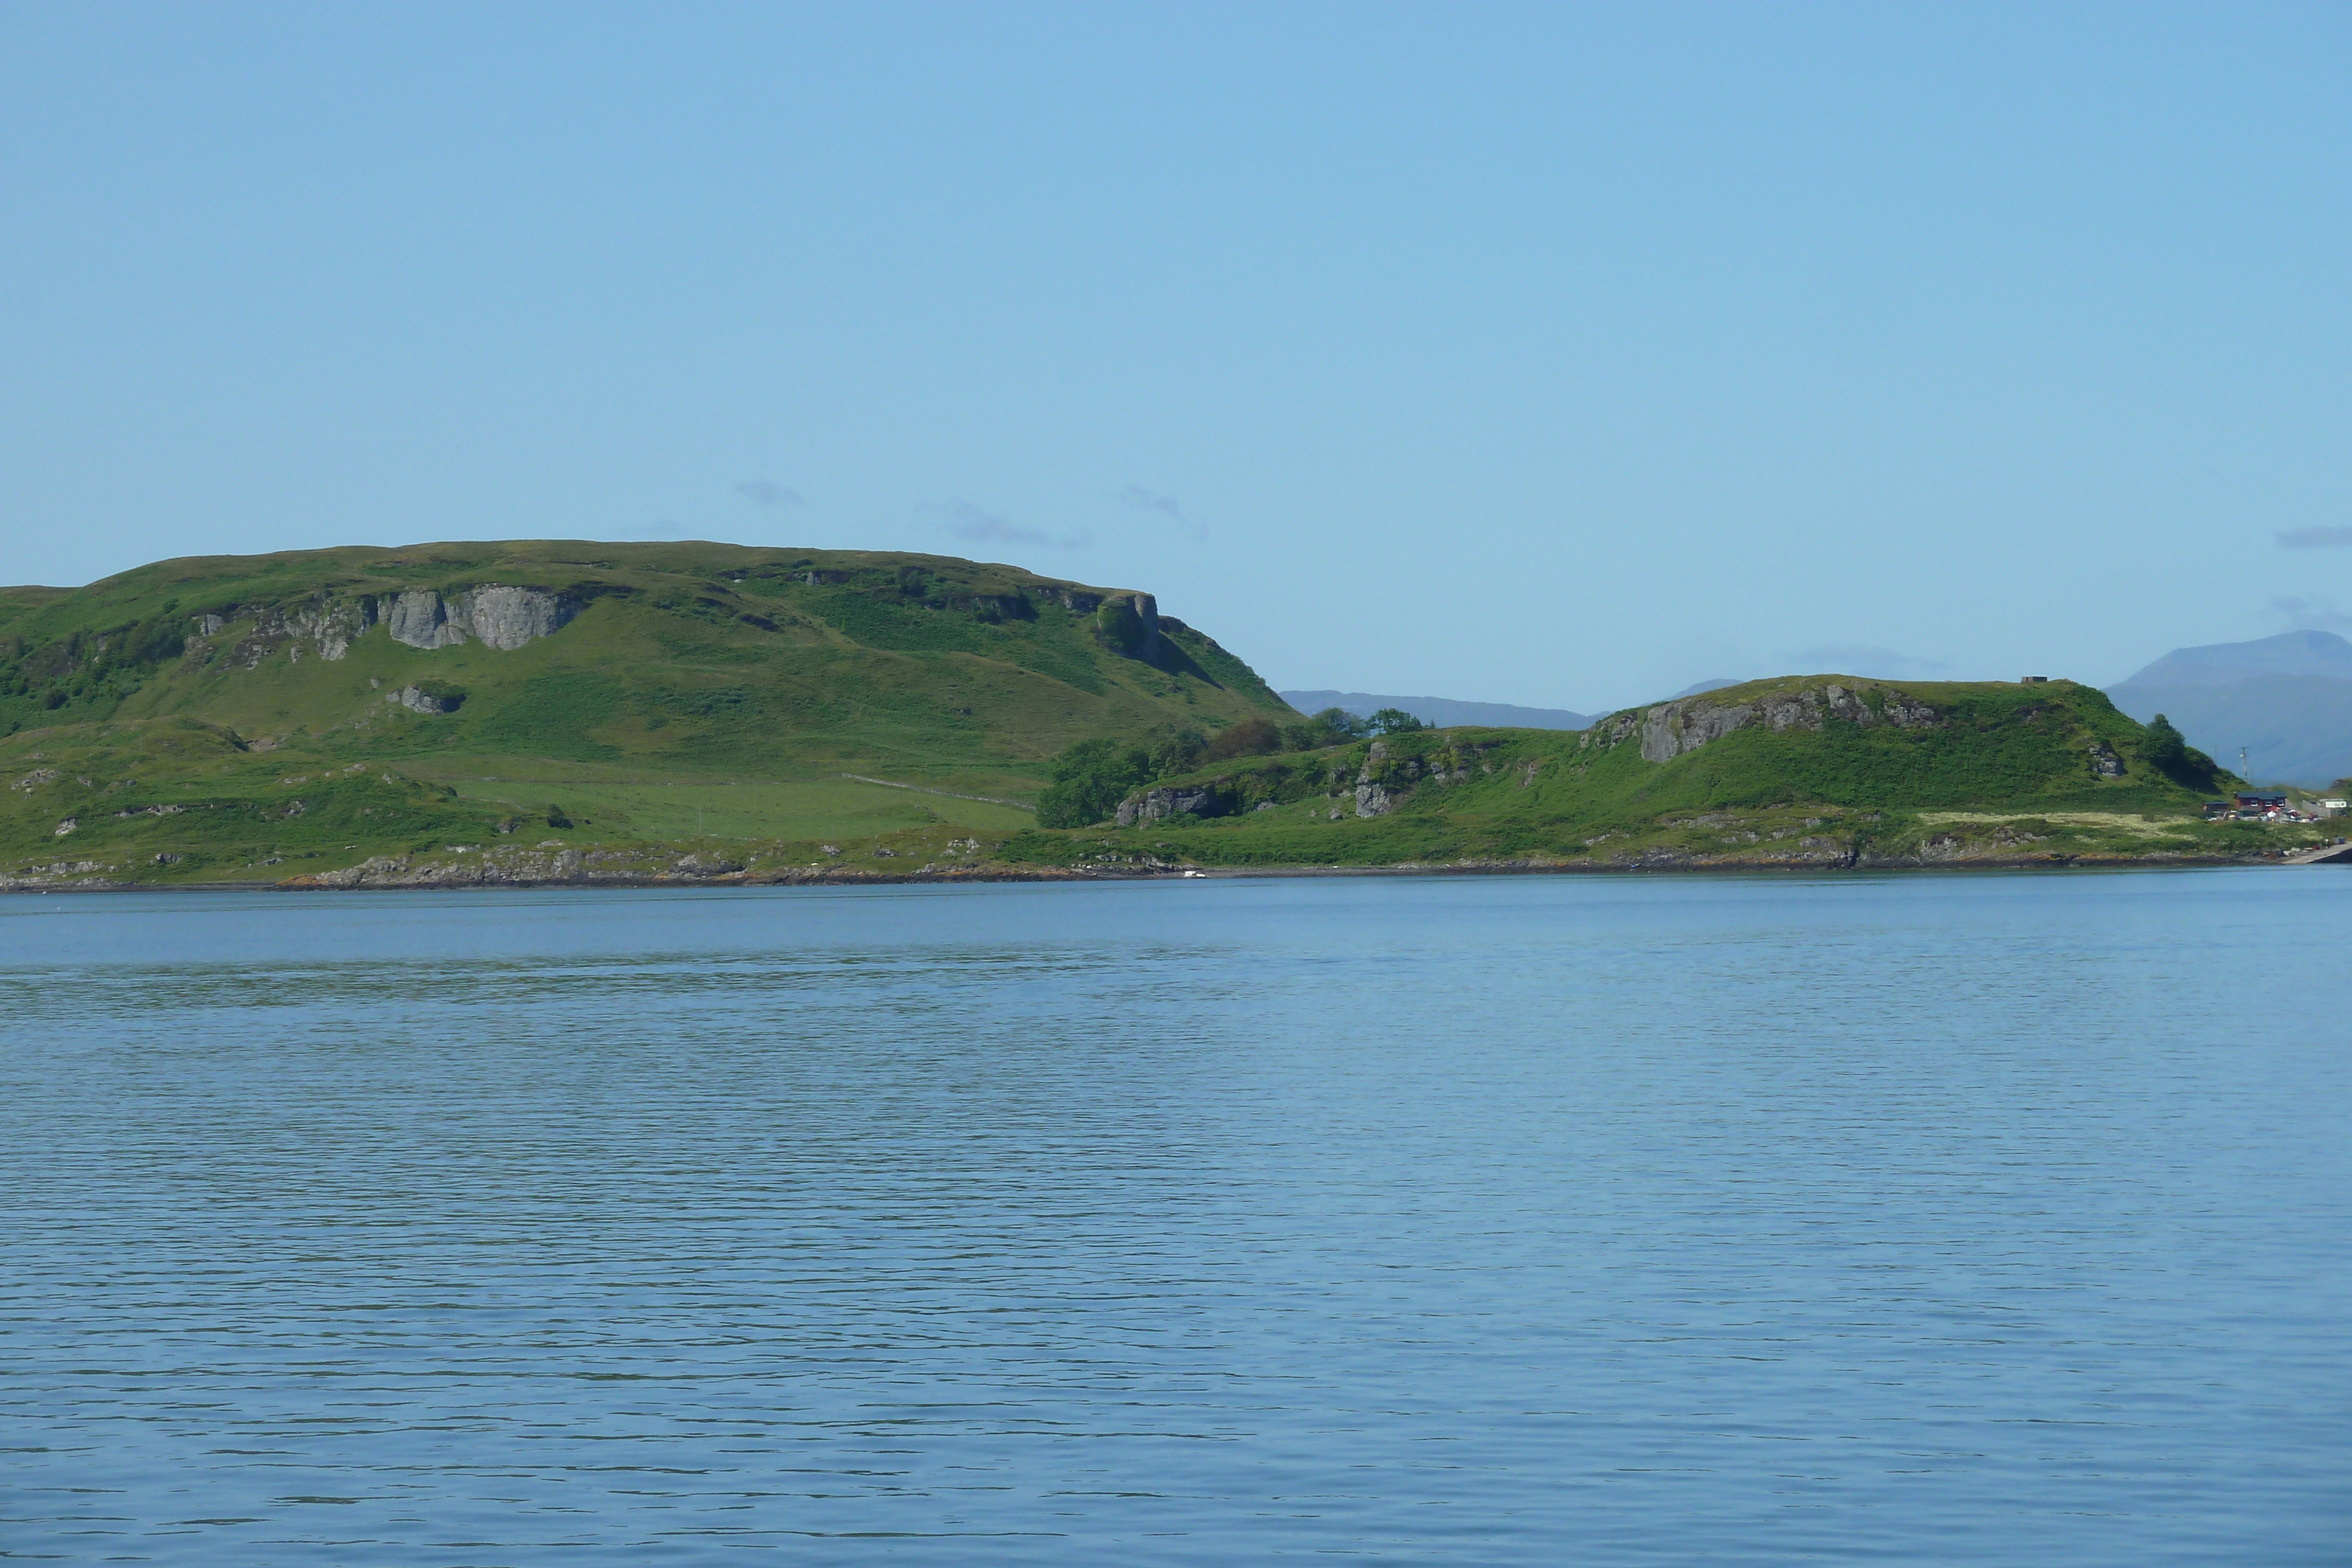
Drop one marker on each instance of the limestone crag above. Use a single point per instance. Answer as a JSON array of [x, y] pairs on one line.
[[417, 699], [498, 614], [327, 627], [1182, 801], [1373, 797], [1384, 781], [1677, 728], [420, 619]]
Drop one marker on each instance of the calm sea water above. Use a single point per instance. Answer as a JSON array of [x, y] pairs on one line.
[[1937, 1218]]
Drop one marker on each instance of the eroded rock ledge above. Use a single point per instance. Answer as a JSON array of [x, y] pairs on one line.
[[498, 616], [1674, 729]]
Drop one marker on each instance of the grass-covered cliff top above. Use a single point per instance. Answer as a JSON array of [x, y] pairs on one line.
[[684, 657]]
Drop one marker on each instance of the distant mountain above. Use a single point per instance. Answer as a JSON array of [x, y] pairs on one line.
[[2225, 663], [2287, 700], [1700, 688], [1441, 711]]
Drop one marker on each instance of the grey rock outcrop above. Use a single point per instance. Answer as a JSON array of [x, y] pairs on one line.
[[500, 615], [417, 699], [506, 618], [419, 618], [2105, 762], [1184, 800], [331, 627], [326, 626], [1372, 797], [1672, 729]]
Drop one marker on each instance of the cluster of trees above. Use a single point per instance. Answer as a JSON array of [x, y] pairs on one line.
[[2168, 752], [1092, 777]]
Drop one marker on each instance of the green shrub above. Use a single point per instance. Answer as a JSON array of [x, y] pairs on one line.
[[2169, 753], [1332, 726], [1251, 737], [1175, 750], [1090, 778]]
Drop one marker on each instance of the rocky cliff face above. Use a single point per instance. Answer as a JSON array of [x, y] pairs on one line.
[[1127, 623], [1672, 729], [1385, 781], [328, 628], [501, 616], [1184, 801]]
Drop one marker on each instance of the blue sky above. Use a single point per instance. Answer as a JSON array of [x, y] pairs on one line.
[[1549, 355]]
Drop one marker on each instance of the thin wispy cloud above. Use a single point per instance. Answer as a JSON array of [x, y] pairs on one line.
[[1140, 498], [767, 493], [967, 521], [2315, 538], [1866, 659], [2310, 614]]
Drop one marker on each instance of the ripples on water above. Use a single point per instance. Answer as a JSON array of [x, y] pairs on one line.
[[1972, 1219]]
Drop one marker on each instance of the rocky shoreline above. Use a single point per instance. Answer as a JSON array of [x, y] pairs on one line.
[[574, 870]]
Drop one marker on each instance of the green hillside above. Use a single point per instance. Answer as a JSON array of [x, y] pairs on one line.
[[256, 716], [1797, 771]]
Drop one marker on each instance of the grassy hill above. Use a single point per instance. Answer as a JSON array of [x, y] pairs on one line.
[[1796, 771], [255, 716]]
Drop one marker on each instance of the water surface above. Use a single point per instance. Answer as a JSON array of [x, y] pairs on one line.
[[1614, 1221]]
